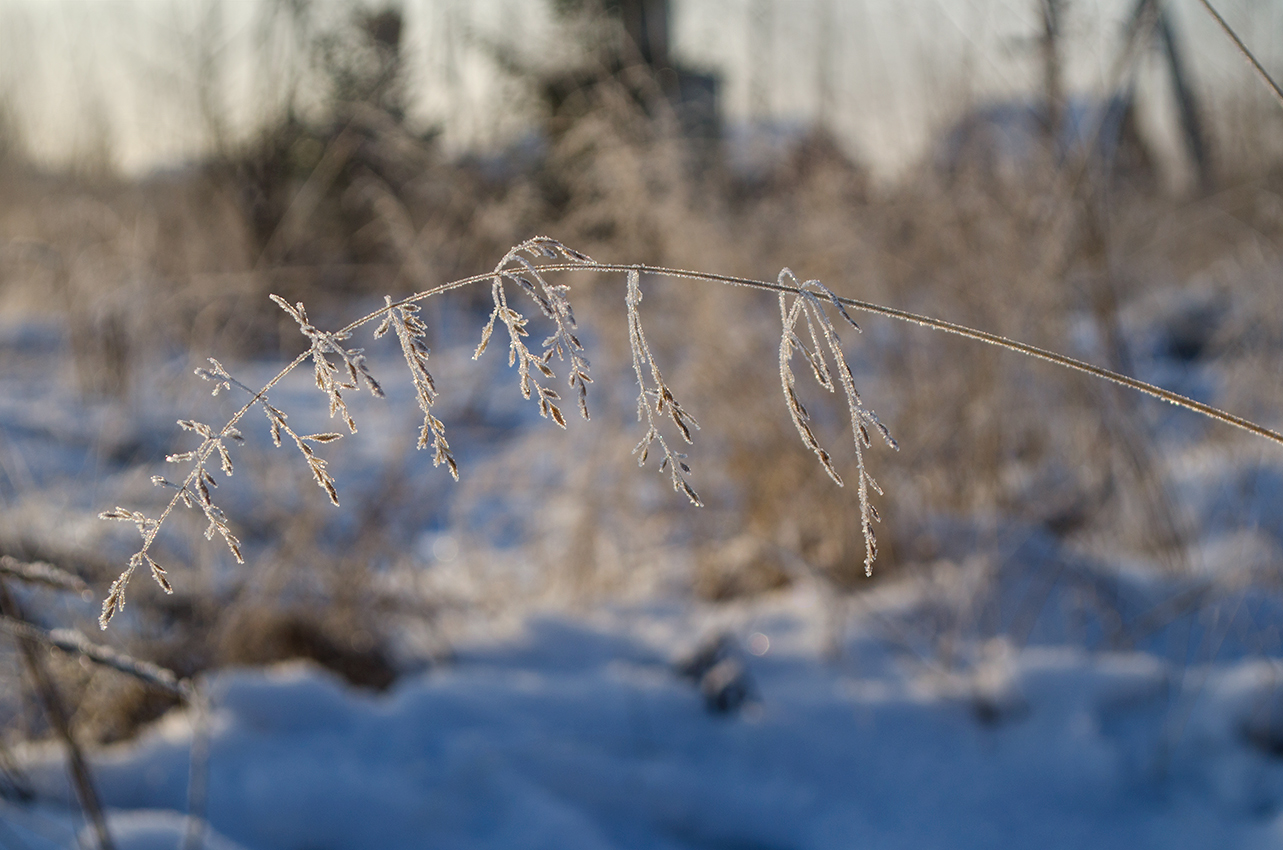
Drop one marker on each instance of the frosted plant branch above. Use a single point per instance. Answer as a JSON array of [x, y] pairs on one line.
[[330, 379], [553, 303], [278, 425], [807, 306], [333, 378], [412, 334], [196, 489], [655, 399]]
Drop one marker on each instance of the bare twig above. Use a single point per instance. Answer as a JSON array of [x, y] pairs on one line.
[[39, 572], [60, 720], [152, 675], [73, 642], [1244, 52]]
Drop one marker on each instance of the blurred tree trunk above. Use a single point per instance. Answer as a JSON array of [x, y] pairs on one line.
[[1053, 82], [646, 23]]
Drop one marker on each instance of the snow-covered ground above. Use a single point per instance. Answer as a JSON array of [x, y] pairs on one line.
[[577, 733]]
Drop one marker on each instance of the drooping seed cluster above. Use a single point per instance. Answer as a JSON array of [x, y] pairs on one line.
[[806, 305], [412, 334], [338, 369], [656, 400], [553, 303]]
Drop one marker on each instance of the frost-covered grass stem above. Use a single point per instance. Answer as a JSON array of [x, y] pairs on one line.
[[525, 267]]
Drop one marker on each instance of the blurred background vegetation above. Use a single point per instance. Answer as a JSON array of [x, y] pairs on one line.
[[1098, 178]]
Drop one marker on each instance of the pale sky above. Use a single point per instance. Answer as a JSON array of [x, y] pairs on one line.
[[121, 79]]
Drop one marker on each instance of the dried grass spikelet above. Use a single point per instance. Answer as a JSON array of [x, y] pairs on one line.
[[806, 305], [656, 400], [554, 305], [195, 491], [330, 377], [412, 334]]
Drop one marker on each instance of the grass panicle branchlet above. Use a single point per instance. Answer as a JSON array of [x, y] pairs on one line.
[[806, 305], [196, 490], [276, 418], [412, 334], [147, 527], [347, 371], [554, 304], [330, 377], [278, 425], [656, 400]]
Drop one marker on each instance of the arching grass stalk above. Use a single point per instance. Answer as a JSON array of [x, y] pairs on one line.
[[338, 368]]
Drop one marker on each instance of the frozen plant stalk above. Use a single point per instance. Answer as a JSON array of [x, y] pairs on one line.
[[337, 369]]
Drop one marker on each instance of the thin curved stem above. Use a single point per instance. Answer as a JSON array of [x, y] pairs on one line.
[[876, 309], [939, 325], [773, 286], [580, 263], [1247, 54]]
